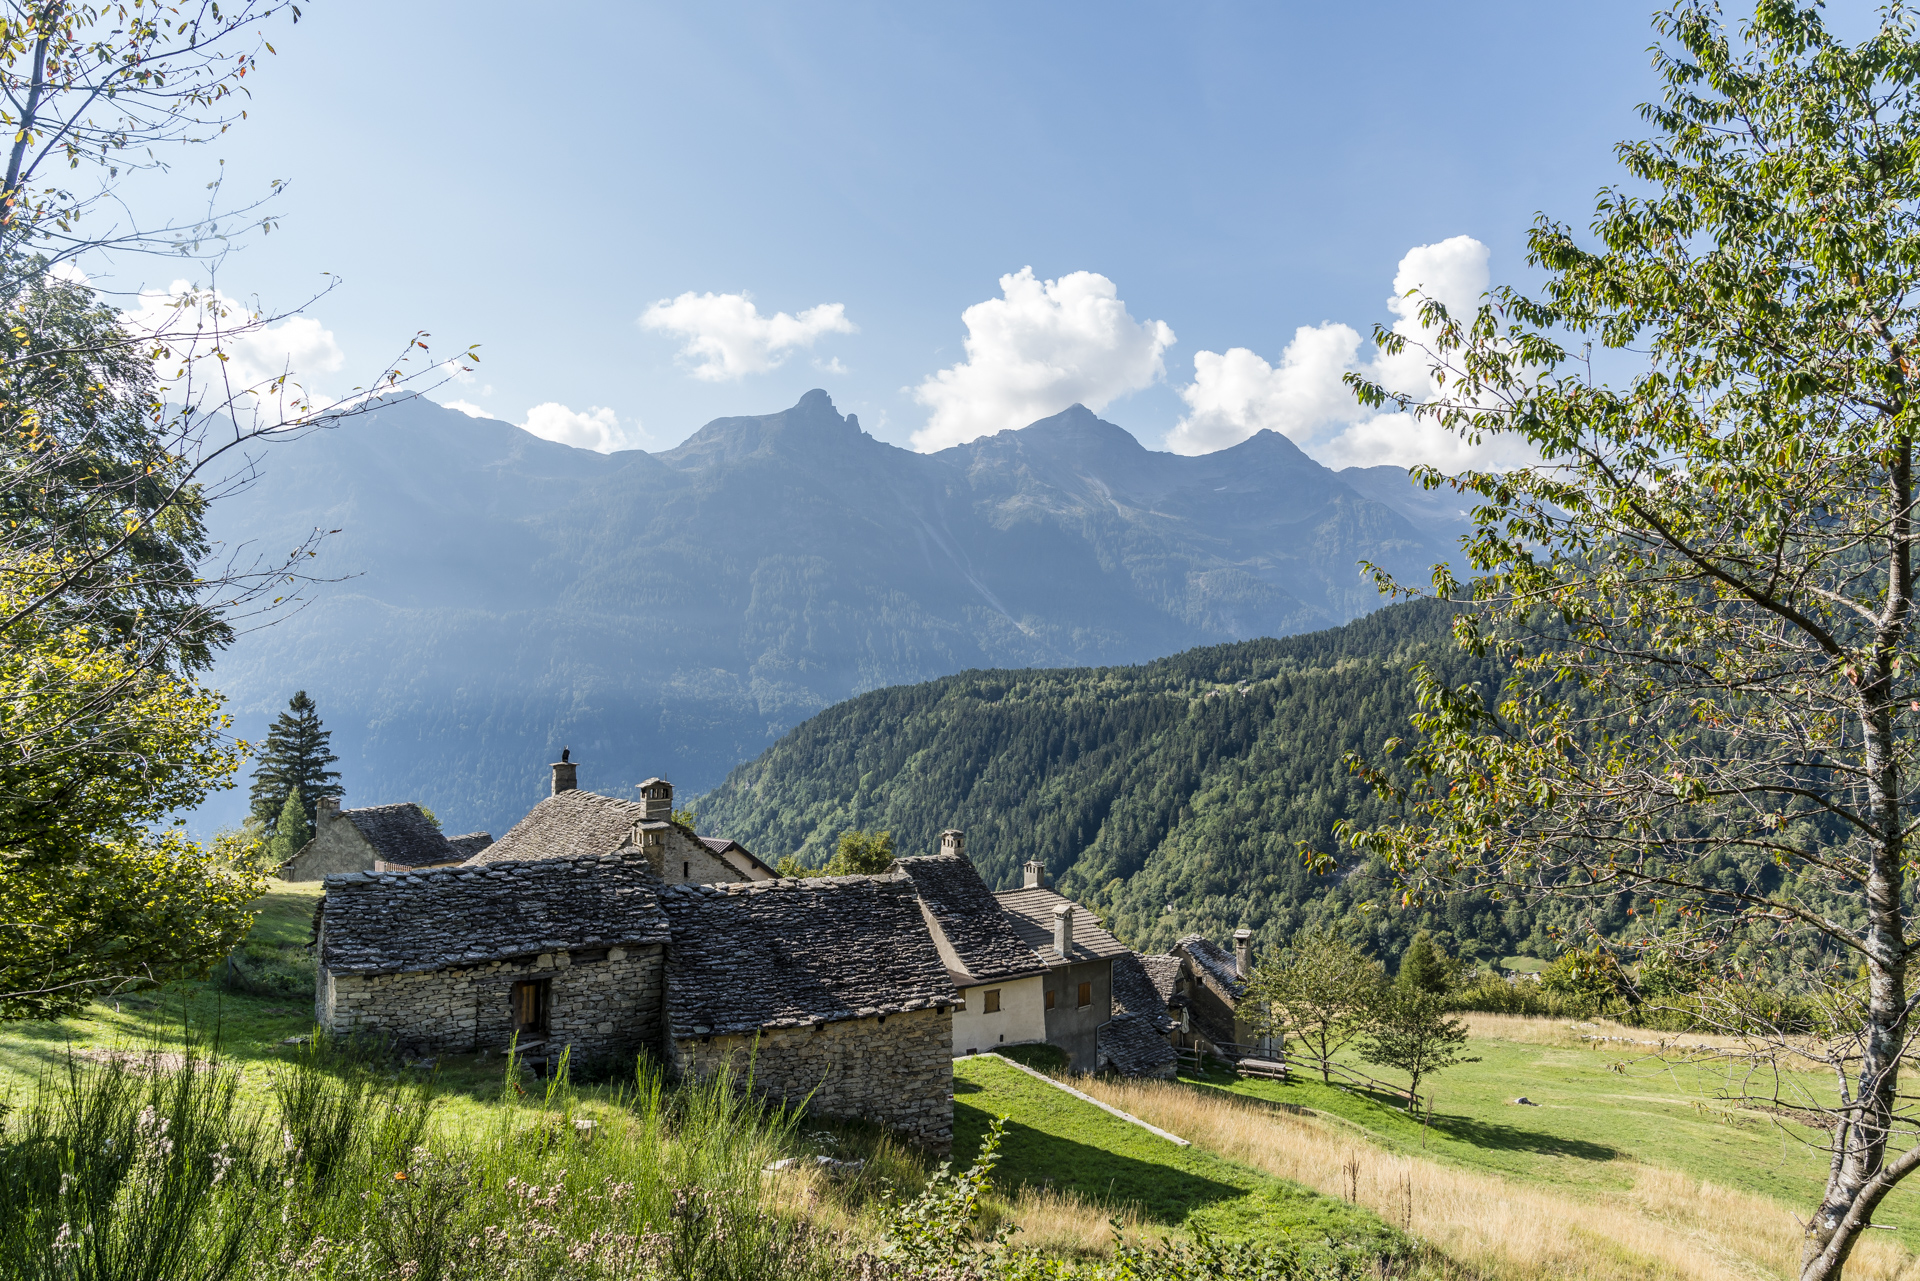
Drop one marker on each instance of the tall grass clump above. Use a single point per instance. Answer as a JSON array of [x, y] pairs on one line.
[[159, 1174], [134, 1168]]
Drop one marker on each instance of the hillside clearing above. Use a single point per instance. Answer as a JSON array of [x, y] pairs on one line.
[[1629, 1167], [1058, 1144]]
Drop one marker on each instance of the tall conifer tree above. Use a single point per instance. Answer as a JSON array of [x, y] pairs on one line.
[[295, 756], [295, 831]]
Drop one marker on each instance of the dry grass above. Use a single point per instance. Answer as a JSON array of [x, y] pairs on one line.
[[1062, 1223], [1066, 1223], [1667, 1226], [1587, 1034]]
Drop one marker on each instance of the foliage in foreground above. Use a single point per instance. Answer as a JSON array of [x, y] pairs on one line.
[[1704, 570], [142, 1166]]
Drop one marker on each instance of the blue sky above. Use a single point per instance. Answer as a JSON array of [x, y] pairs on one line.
[[535, 179]]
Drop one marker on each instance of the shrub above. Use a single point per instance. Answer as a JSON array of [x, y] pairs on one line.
[[261, 969], [1494, 995]]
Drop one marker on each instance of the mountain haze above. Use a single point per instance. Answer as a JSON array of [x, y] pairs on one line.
[[674, 613]]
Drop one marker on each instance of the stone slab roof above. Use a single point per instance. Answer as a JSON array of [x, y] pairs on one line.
[[1136, 993], [571, 824], [1214, 962], [1163, 971], [402, 835], [1130, 1045], [1032, 912], [445, 917], [977, 927], [470, 844], [796, 952]]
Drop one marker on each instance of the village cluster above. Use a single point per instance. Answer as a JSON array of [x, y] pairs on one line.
[[603, 926]]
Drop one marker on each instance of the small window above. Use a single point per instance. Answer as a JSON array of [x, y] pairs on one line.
[[1050, 995], [992, 1005], [1086, 995], [686, 870]]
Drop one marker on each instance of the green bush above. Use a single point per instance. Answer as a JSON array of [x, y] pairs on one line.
[[261, 969], [1494, 995]]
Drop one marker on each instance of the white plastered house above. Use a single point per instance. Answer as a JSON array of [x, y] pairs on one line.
[[998, 975]]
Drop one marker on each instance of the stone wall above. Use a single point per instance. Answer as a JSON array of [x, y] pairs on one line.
[[602, 1004], [895, 1070], [690, 862], [337, 846]]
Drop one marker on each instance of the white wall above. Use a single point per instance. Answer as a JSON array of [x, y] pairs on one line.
[[1022, 1016]]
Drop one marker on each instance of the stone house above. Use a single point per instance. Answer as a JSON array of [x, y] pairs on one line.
[[1170, 975], [377, 838], [571, 823], [738, 857], [563, 951], [1000, 978], [1212, 983], [1077, 989], [829, 989], [1138, 1040]]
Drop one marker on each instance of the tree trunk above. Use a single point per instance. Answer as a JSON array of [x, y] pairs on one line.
[[1860, 1179]]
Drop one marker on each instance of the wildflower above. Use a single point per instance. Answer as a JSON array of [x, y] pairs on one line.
[[399, 1176]]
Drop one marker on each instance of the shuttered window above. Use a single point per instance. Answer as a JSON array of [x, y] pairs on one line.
[[1086, 995], [993, 1001]]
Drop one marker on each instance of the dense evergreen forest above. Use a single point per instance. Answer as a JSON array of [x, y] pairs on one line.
[[1171, 797]]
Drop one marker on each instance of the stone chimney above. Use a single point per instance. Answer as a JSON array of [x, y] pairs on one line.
[[325, 810], [953, 841], [565, 772], [1063, 929], [1035, 878], [657, 795], [1243, 951]]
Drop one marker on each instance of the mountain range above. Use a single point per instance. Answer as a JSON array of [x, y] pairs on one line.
[[496, 596]]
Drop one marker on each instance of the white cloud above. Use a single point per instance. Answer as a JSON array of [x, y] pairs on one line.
[[598, 428], [727, 338], [1237, 393], [1041, 346], [195, 323], [468, 408]]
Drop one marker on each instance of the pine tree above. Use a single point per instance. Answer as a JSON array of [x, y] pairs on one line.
[[294, 829], [294, 757], [1424, 967]]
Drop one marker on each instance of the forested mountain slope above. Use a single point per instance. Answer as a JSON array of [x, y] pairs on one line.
[[499, 597], [1170, 796]]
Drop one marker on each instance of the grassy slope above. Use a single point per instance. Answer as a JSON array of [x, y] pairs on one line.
[[1593, 1122], [251, 1028], [1055, 1140]]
